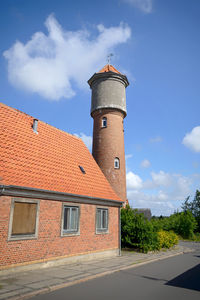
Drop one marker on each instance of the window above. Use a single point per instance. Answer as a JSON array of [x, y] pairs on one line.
[[82, 169], [24, 219], [104, 122], [116, 163], [70, 220], [102, 220]]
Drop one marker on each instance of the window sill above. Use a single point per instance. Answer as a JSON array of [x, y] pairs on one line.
[[22, 237], [64, 234], [102, 231]]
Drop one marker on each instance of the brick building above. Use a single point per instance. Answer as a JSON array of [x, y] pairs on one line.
[[55, 202]]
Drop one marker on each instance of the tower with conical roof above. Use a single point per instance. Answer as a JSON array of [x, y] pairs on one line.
[[108, 109]]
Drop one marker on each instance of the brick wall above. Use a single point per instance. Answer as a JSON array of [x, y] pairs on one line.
[[49, 243], [108, 143]]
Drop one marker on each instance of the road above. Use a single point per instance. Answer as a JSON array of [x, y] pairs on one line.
[[173, 278]]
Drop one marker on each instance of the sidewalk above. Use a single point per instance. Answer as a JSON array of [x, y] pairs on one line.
[[23, 285]]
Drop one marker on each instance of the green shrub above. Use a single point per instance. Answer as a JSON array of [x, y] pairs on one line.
[[187, 225], [167, 239], [137, 232], [183, 224]]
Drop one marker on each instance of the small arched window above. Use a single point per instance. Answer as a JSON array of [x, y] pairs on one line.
[[116, 163], [104, 122]]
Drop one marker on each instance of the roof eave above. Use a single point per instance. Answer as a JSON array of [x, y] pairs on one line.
[[107, 75], [27, 192]]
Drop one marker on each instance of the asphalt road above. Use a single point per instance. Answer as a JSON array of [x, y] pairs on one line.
[[173, 278]]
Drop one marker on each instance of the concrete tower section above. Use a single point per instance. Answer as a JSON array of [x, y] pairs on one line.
[[108, 109]]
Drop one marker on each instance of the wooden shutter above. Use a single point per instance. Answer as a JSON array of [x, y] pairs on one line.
[[24, 218]]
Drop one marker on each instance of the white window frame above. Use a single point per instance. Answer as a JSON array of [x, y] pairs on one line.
[[100, 229], [116, 163], [23, 236], [70, 231], [104, 122]]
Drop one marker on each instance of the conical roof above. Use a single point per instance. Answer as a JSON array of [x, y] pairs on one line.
[[109, 68]]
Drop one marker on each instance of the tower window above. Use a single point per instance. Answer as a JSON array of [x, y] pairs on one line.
[[104, 122], [116, 163]]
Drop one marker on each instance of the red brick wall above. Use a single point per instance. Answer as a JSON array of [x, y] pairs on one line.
[[108, 143], [49, 243]]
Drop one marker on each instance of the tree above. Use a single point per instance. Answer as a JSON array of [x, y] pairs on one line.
[[196, 208], [193, 207], [186, 205]]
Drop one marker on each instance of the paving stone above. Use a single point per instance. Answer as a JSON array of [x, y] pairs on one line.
[[44, 284], [10, 294], [31, 278], [65, 273], [80, 276], [11, 287]]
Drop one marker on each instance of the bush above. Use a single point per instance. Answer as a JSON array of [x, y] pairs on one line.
[[167, 239], [137, 232], [183, 224], [187, 225]]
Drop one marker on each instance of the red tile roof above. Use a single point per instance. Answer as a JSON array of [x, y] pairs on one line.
[[48, 160], [109, 68]]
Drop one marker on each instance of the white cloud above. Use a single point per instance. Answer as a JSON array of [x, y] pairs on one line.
[[156, 139], [145, 6], [163, 193], [87, 139], [192, 139], [48, 64], [161, 178], [127, 156], [145, 163], [156, 203], [133, 181]]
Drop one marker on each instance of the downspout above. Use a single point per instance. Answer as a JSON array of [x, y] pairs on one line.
[[2, 190], [119, 215]]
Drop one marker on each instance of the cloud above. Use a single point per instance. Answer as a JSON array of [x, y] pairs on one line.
[[145, 163], [156, 203], [163, 193], [127, 156], [49, 63], [192, 139], [156, 139], [161, 178], [133, 181], [87, 139], [146, 6]]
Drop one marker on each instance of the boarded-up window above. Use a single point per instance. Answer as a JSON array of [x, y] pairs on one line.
[[24, 218]]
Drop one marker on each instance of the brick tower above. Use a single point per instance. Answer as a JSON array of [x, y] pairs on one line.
[[108, 109]]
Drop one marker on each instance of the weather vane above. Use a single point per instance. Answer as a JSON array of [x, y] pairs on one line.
[[109, 57]]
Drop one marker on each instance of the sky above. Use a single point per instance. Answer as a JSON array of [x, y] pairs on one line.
[[50, 48]]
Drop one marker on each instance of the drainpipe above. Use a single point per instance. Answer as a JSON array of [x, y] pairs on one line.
[[119, 214]]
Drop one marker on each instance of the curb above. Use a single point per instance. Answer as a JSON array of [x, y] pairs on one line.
[[67, 284]]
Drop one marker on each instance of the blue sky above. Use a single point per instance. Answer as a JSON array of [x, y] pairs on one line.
[[49, 49]]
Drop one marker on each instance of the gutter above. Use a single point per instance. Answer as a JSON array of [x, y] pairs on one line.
[[27, 192]]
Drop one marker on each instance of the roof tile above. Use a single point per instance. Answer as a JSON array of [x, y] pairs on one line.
[[48, 160]]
